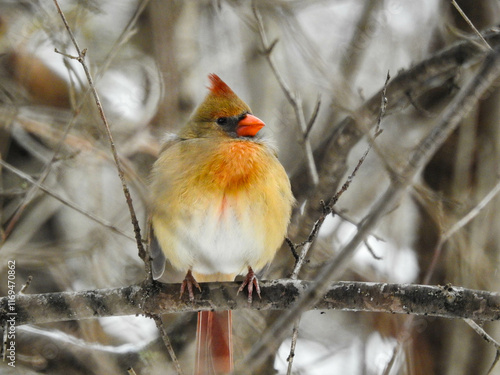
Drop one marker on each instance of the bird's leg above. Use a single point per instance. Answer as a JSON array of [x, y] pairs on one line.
[[188, 282], [250, 282]]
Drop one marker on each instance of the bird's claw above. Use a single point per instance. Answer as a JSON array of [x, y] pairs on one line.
[[250, 282], [188, 282]]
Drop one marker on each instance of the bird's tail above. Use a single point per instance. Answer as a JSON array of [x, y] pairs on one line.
[[214, 351]]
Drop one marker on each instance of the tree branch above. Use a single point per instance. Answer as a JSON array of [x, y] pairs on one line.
[[81, 56], [468, 96], [304, 126], [156, 299], [340, 139]]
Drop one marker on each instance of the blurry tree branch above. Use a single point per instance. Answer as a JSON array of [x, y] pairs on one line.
[[65, 137], [439, 70], [155, 299], [467, 97], [362, 33], [293, 99], [81, 55]]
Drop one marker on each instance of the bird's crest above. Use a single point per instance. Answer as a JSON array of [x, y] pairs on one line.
[[218, 86]]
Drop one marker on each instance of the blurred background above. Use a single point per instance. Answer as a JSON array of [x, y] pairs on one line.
[[150, 61]]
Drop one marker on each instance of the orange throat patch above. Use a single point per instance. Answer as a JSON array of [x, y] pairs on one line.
[[235, 165]]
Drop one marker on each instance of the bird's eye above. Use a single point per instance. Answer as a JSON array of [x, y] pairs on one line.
[[222, 120]]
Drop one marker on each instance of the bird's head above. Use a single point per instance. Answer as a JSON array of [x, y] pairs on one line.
[[222, 113]]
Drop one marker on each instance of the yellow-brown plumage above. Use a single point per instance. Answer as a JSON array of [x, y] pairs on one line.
[[208, 179]]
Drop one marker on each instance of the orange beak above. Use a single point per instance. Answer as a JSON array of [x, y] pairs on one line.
[[249, 126]]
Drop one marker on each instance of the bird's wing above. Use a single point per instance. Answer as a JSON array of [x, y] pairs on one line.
[[157, 257]]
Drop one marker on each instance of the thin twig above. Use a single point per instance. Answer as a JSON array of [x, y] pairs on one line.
[[313, 117], [81, 59], [293, 248], [26, 284], [125, 35], [371, 251], [328, 209], [464, 16], [168, 344], [490, 340], [291, 355], [304, 126], [350, 220], [474, 211]]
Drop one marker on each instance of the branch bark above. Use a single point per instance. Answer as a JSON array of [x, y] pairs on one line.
[[155, 299]]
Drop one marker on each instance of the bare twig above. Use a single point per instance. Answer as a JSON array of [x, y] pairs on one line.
[[168, 344], [81, 59], [456, 227], [304, 126], [371, 251], [476, 31], [461, 105], [26, 201], [293, 248], [293, 345], [125, 35], [26, 285], [472, 213], [490, 340], [350, 220], [328, 208], [312, 120]]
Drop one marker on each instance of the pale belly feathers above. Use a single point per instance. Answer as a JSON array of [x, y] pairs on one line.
[[220, 239], [220, 215]]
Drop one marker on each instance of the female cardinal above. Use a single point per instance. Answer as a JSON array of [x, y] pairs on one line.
[[221, 205]]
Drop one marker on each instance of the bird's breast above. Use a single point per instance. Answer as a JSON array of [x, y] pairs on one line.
[[234, 166], [224, 206]]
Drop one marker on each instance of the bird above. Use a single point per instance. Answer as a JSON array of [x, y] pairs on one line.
[[220, 206]]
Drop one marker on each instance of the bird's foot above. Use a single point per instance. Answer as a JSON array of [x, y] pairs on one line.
[[250, 282], [189, 281]]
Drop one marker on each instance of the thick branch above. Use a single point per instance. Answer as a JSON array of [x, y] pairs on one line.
[[445, 302]]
